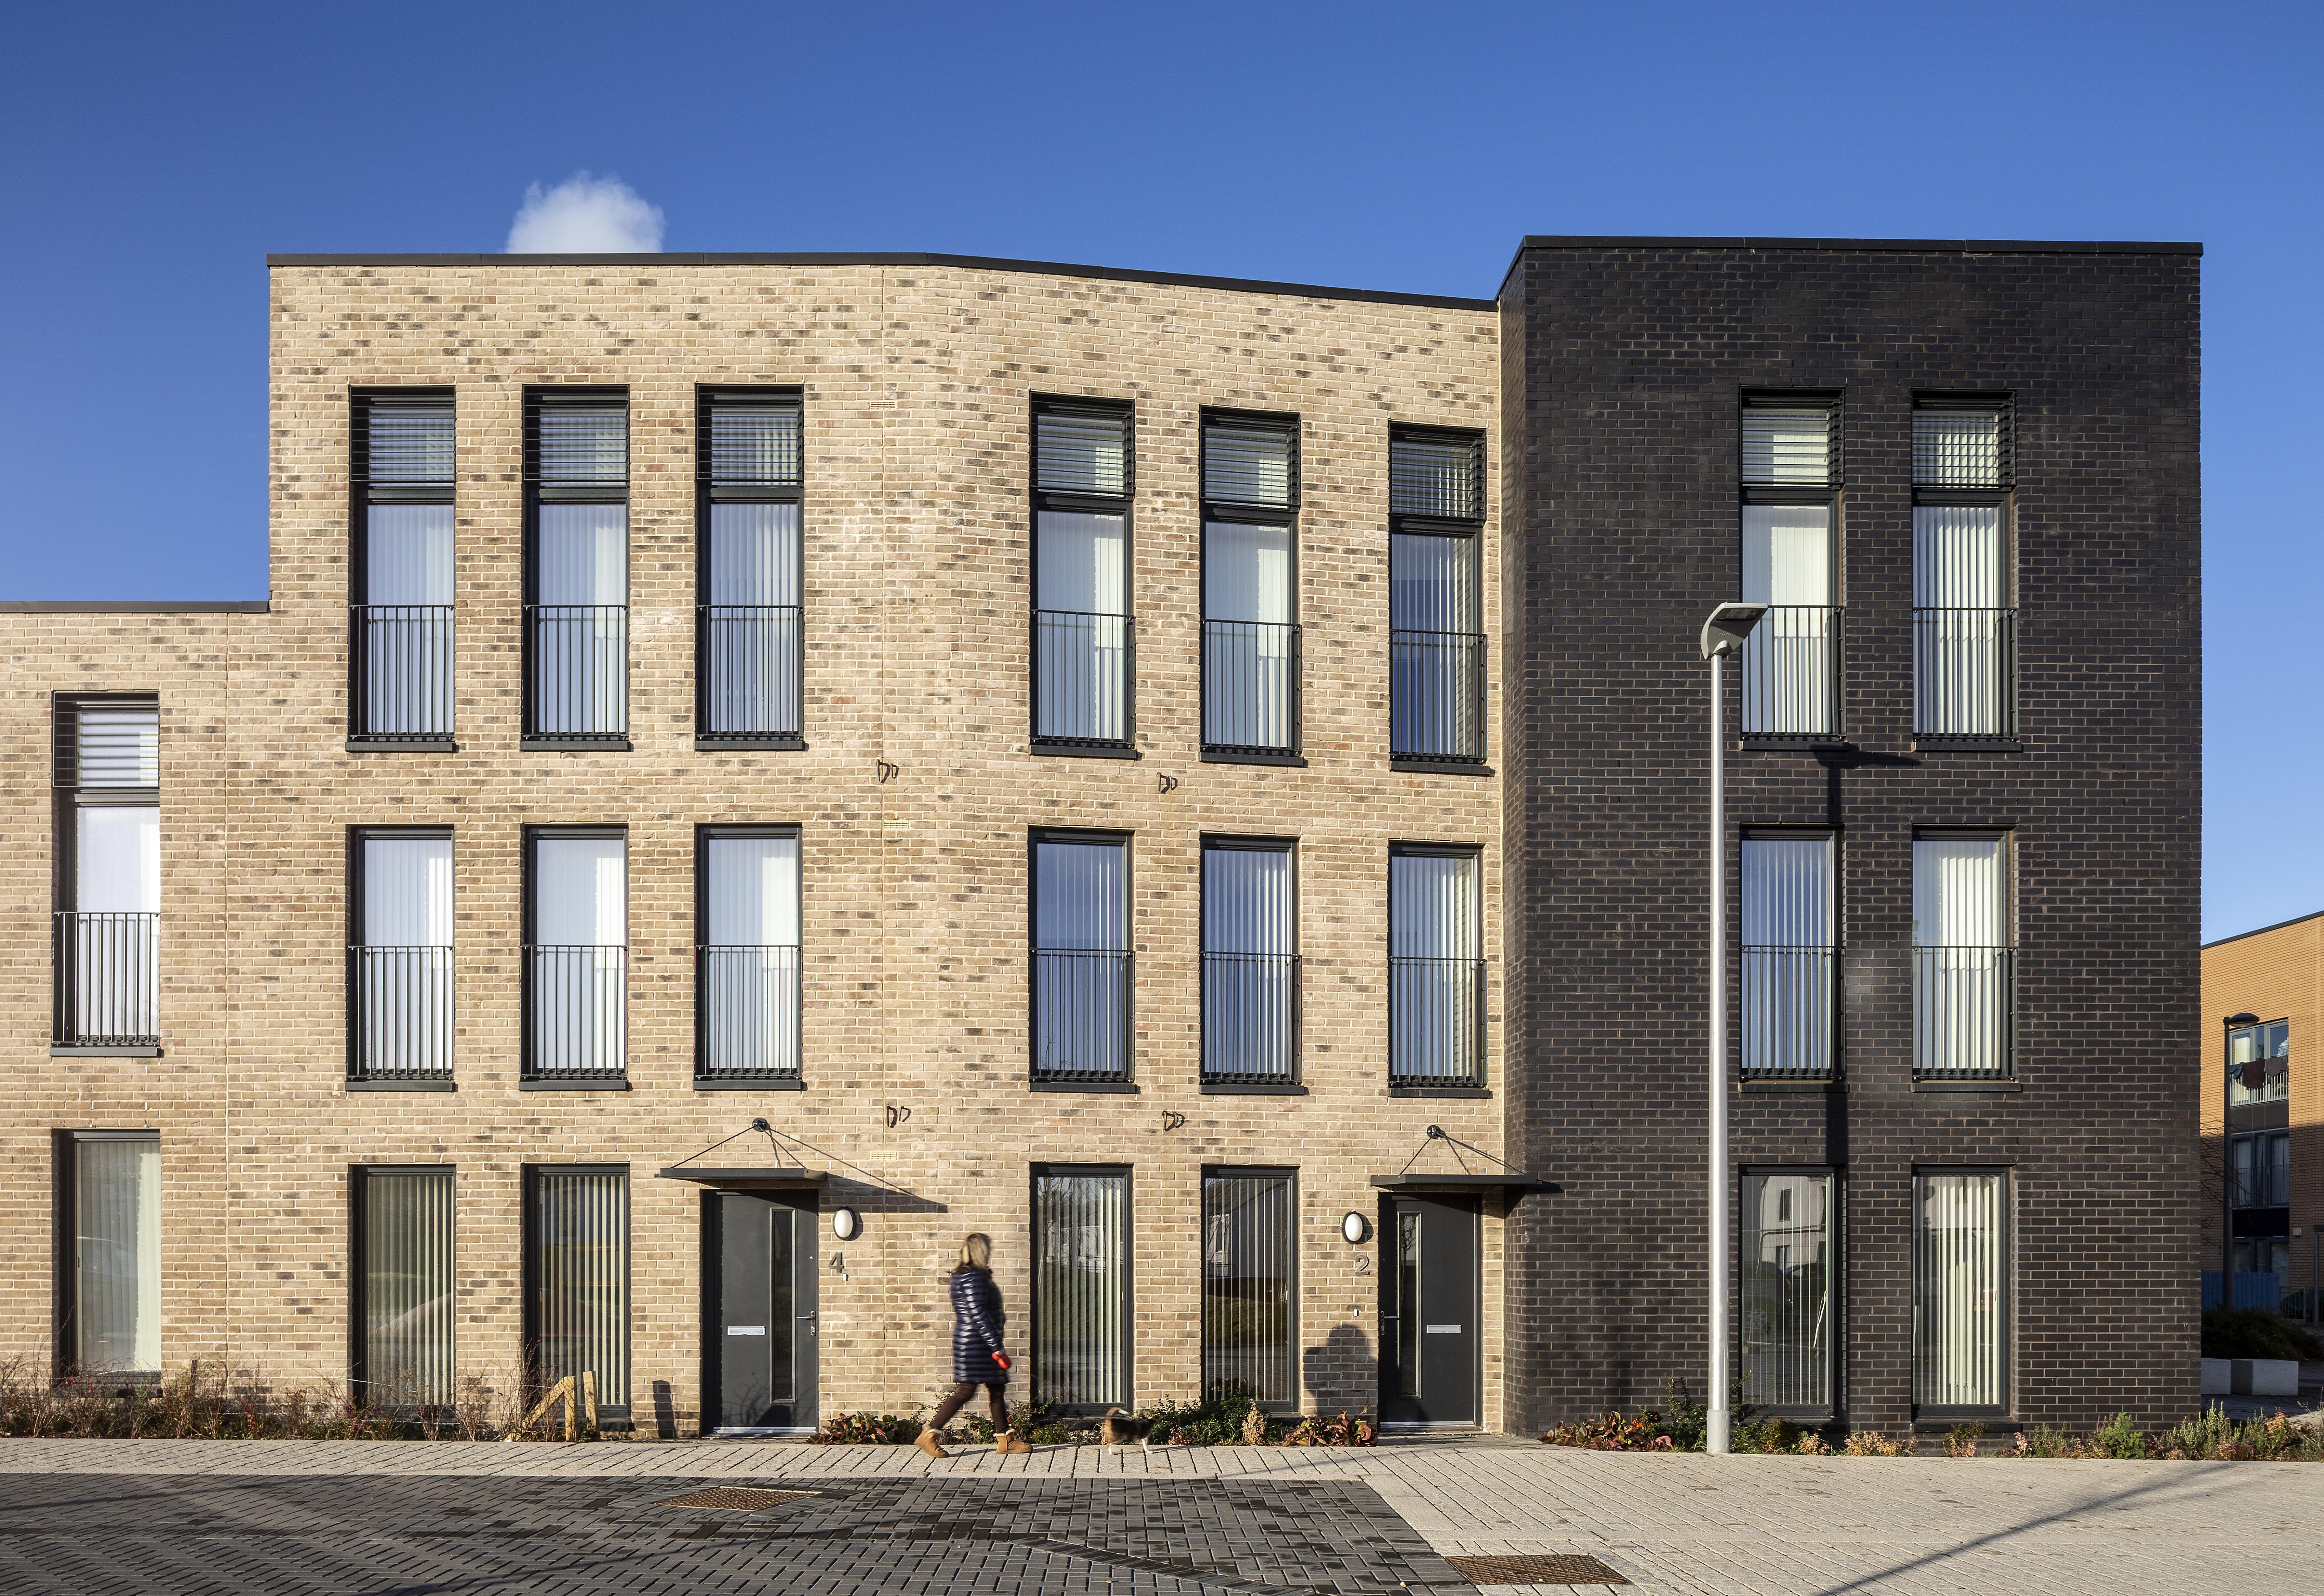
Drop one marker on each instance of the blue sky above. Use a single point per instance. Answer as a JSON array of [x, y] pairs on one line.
[[153, 155]]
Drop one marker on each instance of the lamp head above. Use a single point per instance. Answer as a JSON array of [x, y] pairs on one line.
[[1728, 626], [2237, 1021]]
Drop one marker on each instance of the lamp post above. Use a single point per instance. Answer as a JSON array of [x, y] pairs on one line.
[[1722, 634]]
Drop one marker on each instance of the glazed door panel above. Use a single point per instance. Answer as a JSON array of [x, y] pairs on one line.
[[759, 1310], [1429, 1336]]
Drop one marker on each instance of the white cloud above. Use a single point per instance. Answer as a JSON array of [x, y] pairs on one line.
[[585, 214]]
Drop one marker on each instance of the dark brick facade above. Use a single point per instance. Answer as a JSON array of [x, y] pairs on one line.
[[1624, 362]]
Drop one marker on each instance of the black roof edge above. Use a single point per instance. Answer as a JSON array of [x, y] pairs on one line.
[[1914, 246], [134, 607], [2261, 930], [972, 263]]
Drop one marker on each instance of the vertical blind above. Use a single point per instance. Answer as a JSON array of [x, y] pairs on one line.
[[407, 891], [754, 554], [580, 891], [1960, 1273], [1436, 647], [408, 1306], [408, 555], [1442, 478], [1787, 554], [1788, 1256], [1962, 987], [1786, 446], [1248, 638], [579, 967], [1960, 897], [1081, 996], [1433, 906], [408, 466], [1249, 1284], [581, 1277], [1249, 966], [1251, 462], [1246, 572], [404, 964], [117, 860], [1081, 668], [1082, 451], [1959, 449], [751, 964], [1434, 990], [1786, 955], [117, 1255], [1432, 584], [1081, 1244]]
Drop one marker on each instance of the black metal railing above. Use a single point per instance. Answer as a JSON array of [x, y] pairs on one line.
[[576, 1008], [578, 682], [1964, 673], [402, 1013], [1436, 707], [1787, 1013], [1792, 673], [1080, 1016], [108, 981], [1251, 687], [403, 659], [1250, 1018], [1437, 1022], [747, 682], [1964, 1007], [1081, 666], [749, 1013]]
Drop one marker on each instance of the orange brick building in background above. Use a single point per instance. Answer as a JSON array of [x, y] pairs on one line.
[[2263, 1137]]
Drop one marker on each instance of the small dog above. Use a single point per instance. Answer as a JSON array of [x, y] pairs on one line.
[[1119, 1430]]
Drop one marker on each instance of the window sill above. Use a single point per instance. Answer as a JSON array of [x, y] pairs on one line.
[[1440, 767], [1798, 1088], [1252, 1089], [354, 1086], [1077, 751], [596, 1086], [792, 1084], [1230, 756], [1967, 745], [1936, 1421], [1779, 744], [1439, 1092], [1119, 1088], [574, 745], [402, 745], [67, 1050], [749, 744], [1969, 1085]]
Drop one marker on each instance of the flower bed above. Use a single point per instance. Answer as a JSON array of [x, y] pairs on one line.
[[1227, 1417]]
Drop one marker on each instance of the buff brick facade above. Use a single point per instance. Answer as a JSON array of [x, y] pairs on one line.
[[2275, 975]]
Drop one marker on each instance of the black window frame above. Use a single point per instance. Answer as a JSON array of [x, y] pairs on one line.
[[704, 835], [1400, 524], [69, 795], [64, 1295], [1932, 1414], [530, 868], [2233, 1070], [536, 494], [610, 1415], [1293, 1084], [1236, 512], [356, 880], [1423, 1086], [1954, 1078], [1835, 1357], [1835, 947], [362, 495], [1832, 494], [1289, 1175], [359, 1267], [707, 398], [2003, 497], [1127, 1083], [1043, 501], [1129, 1176]]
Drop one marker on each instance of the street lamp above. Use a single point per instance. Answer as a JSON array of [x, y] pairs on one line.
[[1722, 634]]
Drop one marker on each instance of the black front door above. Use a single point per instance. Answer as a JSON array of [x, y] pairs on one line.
[[1428, 1310], [759, 1310]]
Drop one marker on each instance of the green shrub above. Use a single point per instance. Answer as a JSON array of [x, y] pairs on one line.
[[2256, 1333], [1028, 1423], [2119, 1437], [1217, 1420], [1342, 1431]]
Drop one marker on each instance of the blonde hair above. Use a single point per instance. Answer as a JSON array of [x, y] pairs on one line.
[[975, 1252]]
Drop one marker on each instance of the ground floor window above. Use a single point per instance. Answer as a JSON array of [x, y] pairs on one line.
[[1251, 1282], [111, 1277], [1081, 1287], [1791, 1258], [1961, 1280], [403, 1308], [578, 1277]]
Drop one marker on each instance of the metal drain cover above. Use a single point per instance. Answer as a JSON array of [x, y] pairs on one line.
[[1536, 1568], [736, 1499]]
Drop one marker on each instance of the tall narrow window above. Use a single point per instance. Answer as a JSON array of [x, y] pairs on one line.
[[1436, 636], [110, 1321], [748, 979], [1083, 659], [1251, 1283], [1787, 958], [2262, 1167], [1791, 484], [1080, 958], [1250, 636], [577, 568], [1081, 1288], [400, 958], [108, 884], [401, 641], [1960, 1292], [1436, 968], [1250, 963], [1790, 1254], [750, 637], [577, 957], [1964, 989], [1964, 620], [404, 1308], [577, 1278]]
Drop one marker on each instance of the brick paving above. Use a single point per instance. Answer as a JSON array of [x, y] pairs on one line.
[[295, 1517]]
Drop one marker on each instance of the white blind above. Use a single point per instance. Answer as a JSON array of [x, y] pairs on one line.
[[580, 891], [1084, 561], [1080, 896], [1957, 449], [1431, 901], [408, 1303], [1246, 572], [1081, 1247], [1432, 584], [407, 891], [583, 554], [117, 747], [1786, 445], [754, 891], [1787, 892], [1957, 560], [1958, 897], [754, 554], [1247, 901], [117, 860], [117, 1256], [581, 1263], [1957, 1291], [1787, 554]]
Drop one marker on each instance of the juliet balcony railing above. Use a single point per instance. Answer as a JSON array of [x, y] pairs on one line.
[[576, 1011], [1787, 1013], [1792, 673], [107, 979], [749, 1013], [404, 661], [747, 684], [578, 672], [1437, 1022], [1081, 666], [1080, 1016], [1965, 673], [402, 1013], [1250, 1018], [1251, 687], [1436, 696], [1964, 1005]]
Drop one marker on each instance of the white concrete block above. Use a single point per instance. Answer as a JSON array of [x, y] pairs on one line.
[[2217, 1378], [2265, 1377]]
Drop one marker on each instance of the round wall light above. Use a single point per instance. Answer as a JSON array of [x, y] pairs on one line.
[[847, 1223], [1356, 1228]]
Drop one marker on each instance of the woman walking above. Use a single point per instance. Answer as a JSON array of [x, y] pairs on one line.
[[978, 1356]]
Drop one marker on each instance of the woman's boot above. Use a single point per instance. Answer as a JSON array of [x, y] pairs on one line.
[[927, 1442], [1008, 1441]]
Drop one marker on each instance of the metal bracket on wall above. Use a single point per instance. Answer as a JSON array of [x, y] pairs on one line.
[[1171, 1121], [897, 1116], [887, 772], [1167, 783]]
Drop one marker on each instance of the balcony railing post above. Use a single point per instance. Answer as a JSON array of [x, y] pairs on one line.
[[1082, 1015], [1083, 664], [1437, 696], [1251, 1018], [1792, 673], [749, 1013], [1787, 996], [1251, 687], [1965, 672], [403, 1005], [1436, 1021], [402, 662], [578, 670], [1964, 1012], [751, 671], [108, 980], [577, 1008]]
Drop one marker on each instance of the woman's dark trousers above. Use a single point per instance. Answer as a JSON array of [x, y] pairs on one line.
[[998, 1391]]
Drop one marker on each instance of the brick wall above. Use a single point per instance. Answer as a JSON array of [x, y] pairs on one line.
[[2274, 974]]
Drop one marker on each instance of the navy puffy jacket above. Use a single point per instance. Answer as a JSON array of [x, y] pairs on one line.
[[977, 1323]]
